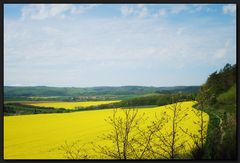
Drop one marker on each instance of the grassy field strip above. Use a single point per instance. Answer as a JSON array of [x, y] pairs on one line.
[[39, 136], [71, 105]]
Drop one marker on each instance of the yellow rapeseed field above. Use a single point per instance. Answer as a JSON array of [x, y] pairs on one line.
[[71, 105], [40, 136]]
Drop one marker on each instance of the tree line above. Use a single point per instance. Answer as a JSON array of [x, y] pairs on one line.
[[154, 100]]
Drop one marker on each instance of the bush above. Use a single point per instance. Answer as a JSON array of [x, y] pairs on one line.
[[228, 97]]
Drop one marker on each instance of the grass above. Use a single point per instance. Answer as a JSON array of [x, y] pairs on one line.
[[71, 105], [40, 136]]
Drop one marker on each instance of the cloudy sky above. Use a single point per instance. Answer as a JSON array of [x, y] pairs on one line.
[[87, 45]]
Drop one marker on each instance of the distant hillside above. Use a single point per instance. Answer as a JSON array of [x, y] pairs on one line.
[[12, 91]]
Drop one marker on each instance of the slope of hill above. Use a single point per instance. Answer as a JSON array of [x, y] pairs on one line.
[[12, 91], [218, 96]]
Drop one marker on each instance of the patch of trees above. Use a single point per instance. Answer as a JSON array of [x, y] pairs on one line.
[[154, 100], [218, 83], [218, 98], [17, 109]]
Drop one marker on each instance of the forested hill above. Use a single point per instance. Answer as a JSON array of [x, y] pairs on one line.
[[220, 87], [11, 91], [218, 98]]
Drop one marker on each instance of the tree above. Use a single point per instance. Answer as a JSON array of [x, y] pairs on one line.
[[199, 138], [219, 82], [73, 150], [129, 139], [169, 141]]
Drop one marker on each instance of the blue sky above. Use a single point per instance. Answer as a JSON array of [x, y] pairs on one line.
[[86, 45]]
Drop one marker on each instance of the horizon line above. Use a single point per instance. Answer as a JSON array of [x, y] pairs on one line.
[[97, 86]]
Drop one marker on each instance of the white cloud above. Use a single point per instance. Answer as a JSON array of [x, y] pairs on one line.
[[161, 12], [137, 10], [126, 11], [222, 52], [91, 51], [143, 12], [44, 11], [82, 8], [178, 8], [229, 9], [135, 39], [179, 31], [199, 8], [51, 30], [141, 5]]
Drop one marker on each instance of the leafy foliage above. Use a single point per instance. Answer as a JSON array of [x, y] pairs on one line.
[[228, 98], [17, 109], [154, 100], [218, 83], [218, 98]]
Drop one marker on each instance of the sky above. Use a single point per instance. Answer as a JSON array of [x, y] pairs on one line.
[[85, 45]]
